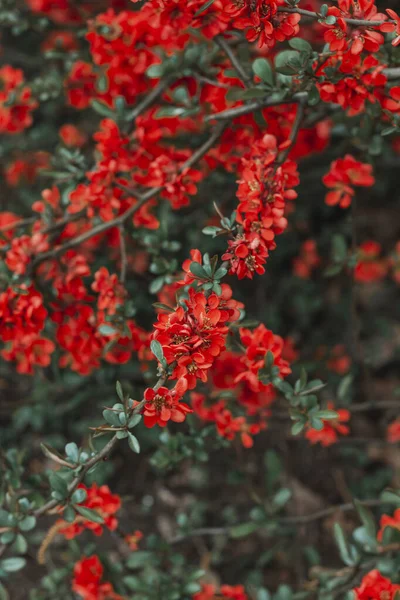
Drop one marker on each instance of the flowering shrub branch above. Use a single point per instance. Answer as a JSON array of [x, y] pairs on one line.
[[155, 151]]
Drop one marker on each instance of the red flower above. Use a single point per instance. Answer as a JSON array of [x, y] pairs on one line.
[[23, 249], [101, 501], [87, 581], [163, 405], [328, 435], [389, 27], [257, 344], [370, 267], [387, 521], [343, 175], [393, 432], [29, 351], [308, 260], [72, 136], [16, 102], [375, 586], [133, 540]]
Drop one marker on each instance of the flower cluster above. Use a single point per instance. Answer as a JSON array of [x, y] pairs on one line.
[[262, 21], [264, 187], [16, 101], [344, 174], [194, 334], [103, 502], [332, 428], [375, 585], [210, 592], [87, 580], [22, 319]]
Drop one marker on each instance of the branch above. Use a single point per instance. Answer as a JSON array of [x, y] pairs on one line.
[[124, 258], [314, 15], [300, 519], [121, 219], [232, 113], [295, 130], [247, 80]]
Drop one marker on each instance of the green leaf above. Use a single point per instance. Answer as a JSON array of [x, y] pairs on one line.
[[27, 523], [204, 7], [155, 71], [287, 62], [198, 270], [211, 230], [242, 530], [3, 593], [111, 417], [107, 330], [330, 20], [366, 518], [134, 420], [89, 514], [262, 68], [344, 387], [342, 544], [69, 514], [120, 393], [72, 451], [133, 443], [102, 109], [326, 414], [13, 564], [20, 545], [391, 497], [254, 92], [297, 427], [282, 497], [58, 484], [157, 350], [78, 496], [300, 44]]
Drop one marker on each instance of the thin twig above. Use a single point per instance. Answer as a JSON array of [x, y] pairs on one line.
[[232, 113], [124, 258], [247, 80], [350, 21], [121, 219]]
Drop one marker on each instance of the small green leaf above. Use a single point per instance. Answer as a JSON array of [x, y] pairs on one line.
[[330, 20], [326, 414], [391, 497], [27, 523], [58, 484], [20, 545], [300, 44], [69, 514], [297, 427], [72, 451], [89, 514], [78, 496], [157, 350], [262, 68], [13, 564], [155, 71], [366, 518], [120, 393], [133, 443], [111, 417], [198, 270], [134, 420], [342, 544], [211, 230], [204, 7], [243, 529], [107, 330]]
